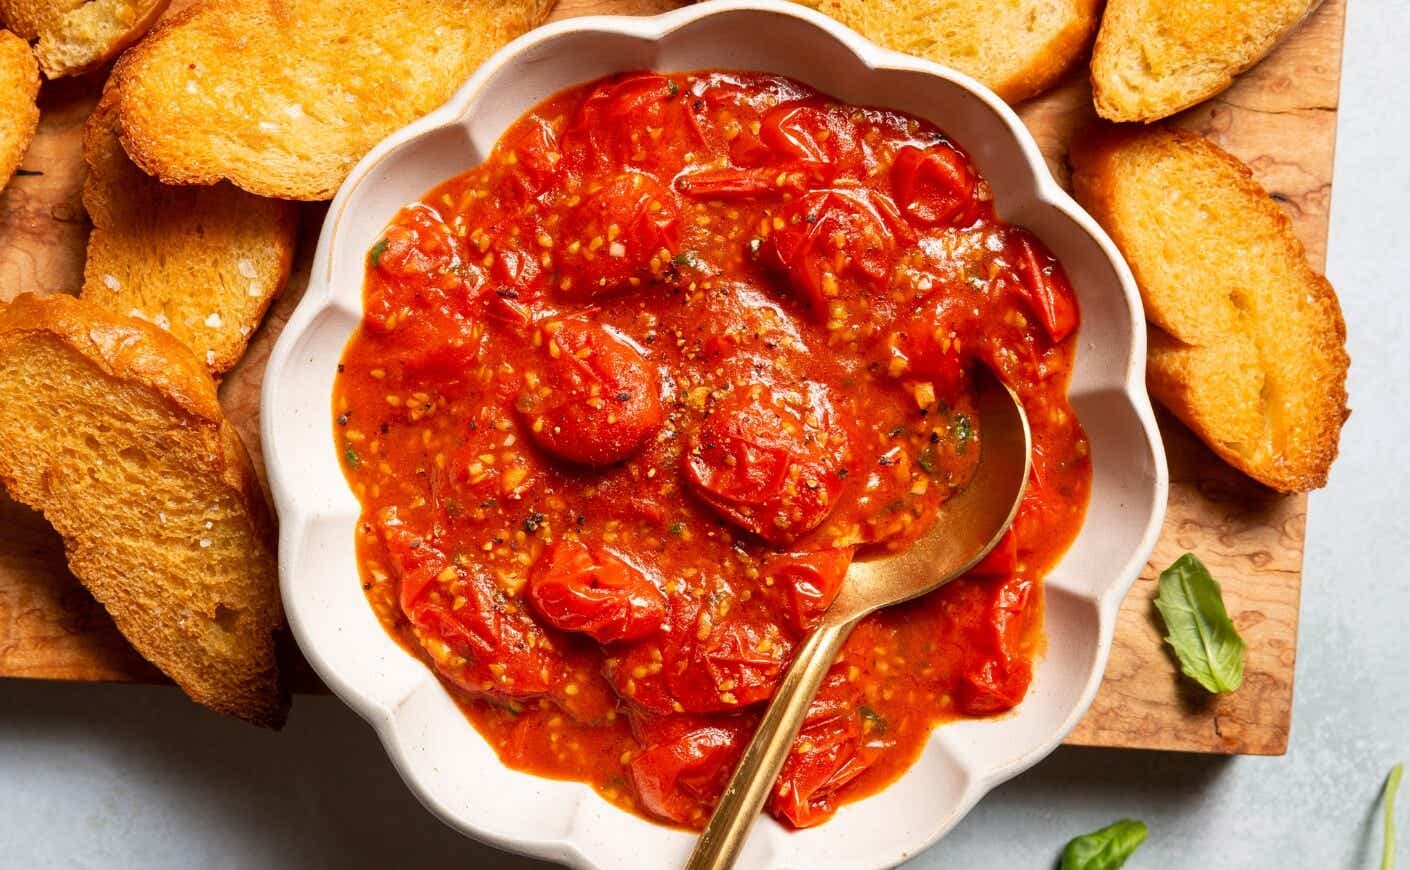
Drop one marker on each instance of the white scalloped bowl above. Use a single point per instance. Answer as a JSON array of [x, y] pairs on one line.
[[442, 758]]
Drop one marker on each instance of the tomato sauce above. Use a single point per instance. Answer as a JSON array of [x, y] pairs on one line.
[[628, 398]]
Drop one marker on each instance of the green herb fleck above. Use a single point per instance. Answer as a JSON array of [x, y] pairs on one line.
[[929, 459], [873, 719], [1203, 636], [352, 458], [374, 256], [1105, 849], [1392, 786], [677, 527], [684, 258], [964, 433], [674, 88]]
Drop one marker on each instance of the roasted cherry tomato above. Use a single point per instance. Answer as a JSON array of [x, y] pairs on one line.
[[830, 237], [933, 185], [738, 661], [419, 271], [1045, 285], [827, 754], [618, 238], [537, 158], [515, 273], [769, 462], [598, 400], [713, 657], [1001, 561], [728, 183], [809, 580], [575, 587], [929, 347], [684, 765], [996, 671], [612, 123], [493, 646], [811, 133], [1038, 509]]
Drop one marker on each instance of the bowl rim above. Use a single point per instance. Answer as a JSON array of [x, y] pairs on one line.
[[318, 297]]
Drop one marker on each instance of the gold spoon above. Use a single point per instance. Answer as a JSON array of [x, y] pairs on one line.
[[967, 527]]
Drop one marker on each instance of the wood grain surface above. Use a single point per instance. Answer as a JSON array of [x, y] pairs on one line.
[[1280, 118]]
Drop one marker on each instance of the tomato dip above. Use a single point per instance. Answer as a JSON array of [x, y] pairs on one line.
[[629, 396]]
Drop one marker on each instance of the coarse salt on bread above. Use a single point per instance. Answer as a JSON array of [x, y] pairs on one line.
[[283, 97], [1247, 341], [1018, 48], [1154, 58], [75, 36], [111, 428], [203, 263], [19, 113]]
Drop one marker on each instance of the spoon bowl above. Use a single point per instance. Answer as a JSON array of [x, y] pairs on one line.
[[967, 527]]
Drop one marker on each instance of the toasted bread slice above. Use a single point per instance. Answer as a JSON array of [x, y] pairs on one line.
[[1018, 48], [75, 36], [111, 428], [1154, 58], [282, 97], [203, 263], [19, 113], [1247, 345]]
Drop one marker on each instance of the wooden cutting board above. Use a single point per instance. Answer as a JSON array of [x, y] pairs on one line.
[[1280, 118]]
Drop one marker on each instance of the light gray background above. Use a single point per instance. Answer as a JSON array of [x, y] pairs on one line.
[[137, 777]]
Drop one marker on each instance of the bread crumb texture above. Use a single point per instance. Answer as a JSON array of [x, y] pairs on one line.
[[76, 36], [111, 429], [19, 113], [203, 263], [1154, 58], [1018, 48], [1247, 341], [283, 97]]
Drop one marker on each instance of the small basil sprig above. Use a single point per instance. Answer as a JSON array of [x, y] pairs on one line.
[[1200, 631], [1392, 786], [1105, 849]]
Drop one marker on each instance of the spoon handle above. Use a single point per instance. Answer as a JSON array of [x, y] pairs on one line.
[[739, 806]]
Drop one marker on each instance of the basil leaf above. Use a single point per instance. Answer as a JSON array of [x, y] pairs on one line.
[[1106, 849], [375, 255], [928, 459], [1201, 633], [1392, 786]]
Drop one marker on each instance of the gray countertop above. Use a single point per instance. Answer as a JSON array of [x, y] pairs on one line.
[[137, 777]]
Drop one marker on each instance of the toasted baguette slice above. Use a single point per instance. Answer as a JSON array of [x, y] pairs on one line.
[[1248, 345], [203, 263], [111, 428], [75, 36], [1154, 58], [1018, 48], [282, 97], [19, 113]]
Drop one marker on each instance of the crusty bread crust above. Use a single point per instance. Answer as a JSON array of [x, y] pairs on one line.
[[1247, 341], [128, 354], [1047, 68], [204, 263], [1153, 59], [77, 37], [982, 40], [19, 113], [276, 96]]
